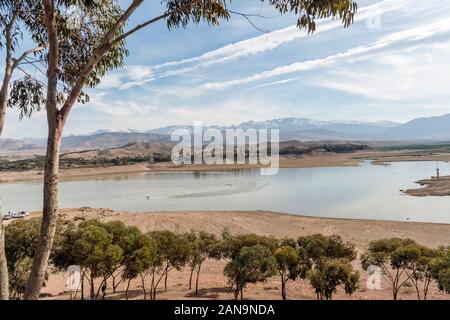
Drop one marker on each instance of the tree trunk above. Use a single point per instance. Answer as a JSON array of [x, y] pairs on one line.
[[82, 286], [196, 279], [165, 280], [242, 293], [128, 287], [394, 293], [425, 289], [236, 292], [190, 278], [49, 217], [417, 291], [4, 96], [143, 287], [283, 288], [152, 287], [92, 289], [55, 126], [100, 288], [115, 283], [4, 281], [6, 79]]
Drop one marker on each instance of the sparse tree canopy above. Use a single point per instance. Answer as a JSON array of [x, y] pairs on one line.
[[421, 270], [203, 245], [326, 263], [311, 10], [139, 255], [318, 247], [95, 251], [232, 245], [288, 265], [330, 274], [394, 256], [173, 253], [252, 264], [20, 239], [440, 269]]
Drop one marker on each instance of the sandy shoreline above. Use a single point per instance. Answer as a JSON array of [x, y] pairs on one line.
[[280, 225], [431, 187]]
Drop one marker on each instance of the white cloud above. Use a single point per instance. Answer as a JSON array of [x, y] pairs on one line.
[[405, 37], [274, 83], [272, 40], [128, 77], [256, 45], [415, 74], [119, 108]]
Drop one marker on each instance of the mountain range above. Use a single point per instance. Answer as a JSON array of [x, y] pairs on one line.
[[302, 129]]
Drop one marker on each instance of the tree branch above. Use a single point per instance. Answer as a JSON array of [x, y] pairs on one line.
[[247, 17], [25, 54], [98, 54]]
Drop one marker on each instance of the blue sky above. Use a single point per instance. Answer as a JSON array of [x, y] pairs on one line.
[[392, 64]]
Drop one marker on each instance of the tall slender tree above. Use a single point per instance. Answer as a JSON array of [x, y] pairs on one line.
[[83, 64], [26, 92]]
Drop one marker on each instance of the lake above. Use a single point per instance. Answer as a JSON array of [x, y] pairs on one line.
[[364, 192]]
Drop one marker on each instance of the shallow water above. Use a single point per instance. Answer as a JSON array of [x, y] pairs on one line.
[[365, 192]]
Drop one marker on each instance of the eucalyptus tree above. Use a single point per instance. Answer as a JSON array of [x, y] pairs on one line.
[[94, 250], [326, 263], [26, 91], [15, 24], [330, 274], [288, 266], [21, 237], [173, 252], [203, 245], [139, 255], [251, 265], [395, 257], [421, 270], [440, 269], [80, 61]]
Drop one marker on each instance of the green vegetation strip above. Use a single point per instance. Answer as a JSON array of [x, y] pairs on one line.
[[115, 253]]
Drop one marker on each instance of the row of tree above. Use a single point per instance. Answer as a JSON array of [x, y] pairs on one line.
[[38, 162], [74, 51], [114, 254]]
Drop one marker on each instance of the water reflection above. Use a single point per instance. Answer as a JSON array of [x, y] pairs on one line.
[[367, 191]]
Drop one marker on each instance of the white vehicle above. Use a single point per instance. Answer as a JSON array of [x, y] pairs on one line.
[[24, 213], [17, 215], [7, 217]]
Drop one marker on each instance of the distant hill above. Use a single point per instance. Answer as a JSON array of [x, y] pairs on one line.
[[432, 128], [304, 124], [110, 140], [302, 129], [16, 145], [129, 150], [322, 134]]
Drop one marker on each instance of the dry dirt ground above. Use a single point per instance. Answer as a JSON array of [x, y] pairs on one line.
[[212, 282]]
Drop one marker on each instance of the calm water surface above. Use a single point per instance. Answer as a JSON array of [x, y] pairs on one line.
[[366, 192]]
